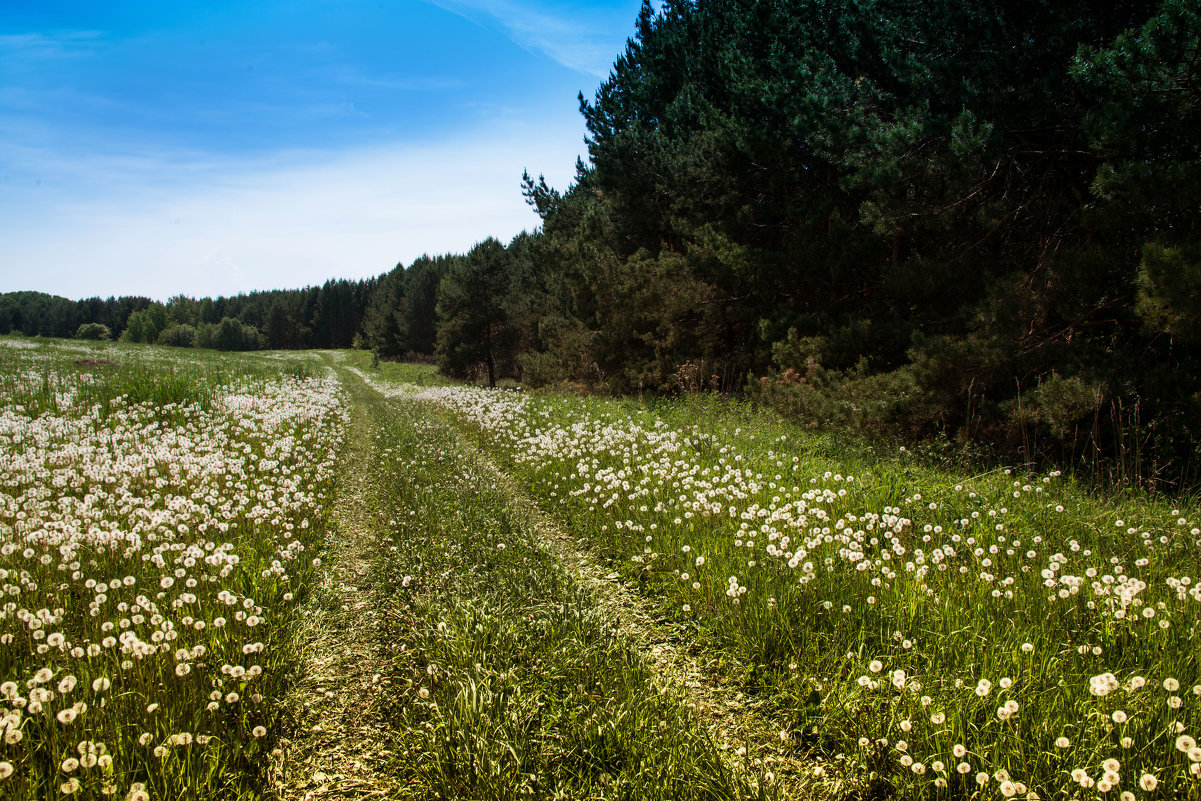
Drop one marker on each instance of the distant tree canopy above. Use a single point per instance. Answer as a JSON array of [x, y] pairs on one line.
[[38, 314], [400, 318], [327, 316], [473, 314], [229, 334], [146, 324]]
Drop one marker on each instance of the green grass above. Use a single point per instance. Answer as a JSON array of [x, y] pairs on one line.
[[72, 377], [421, 375], [157, 513], [509, 683], [899, 588], [897, 613]]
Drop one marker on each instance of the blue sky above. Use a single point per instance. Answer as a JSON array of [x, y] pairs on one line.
[[211, 148]]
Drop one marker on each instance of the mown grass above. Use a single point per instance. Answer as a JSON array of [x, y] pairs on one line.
[[994, 635], [508, 684]]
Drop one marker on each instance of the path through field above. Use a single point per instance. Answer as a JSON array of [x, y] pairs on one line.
[[342, 749], [349, 745], [358, 583], [750, 738]]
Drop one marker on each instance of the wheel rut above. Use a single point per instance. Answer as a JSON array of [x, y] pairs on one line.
[[749, 736], [340, 750]]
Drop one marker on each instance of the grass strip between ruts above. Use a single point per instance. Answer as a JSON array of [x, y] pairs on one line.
[[506, 682]]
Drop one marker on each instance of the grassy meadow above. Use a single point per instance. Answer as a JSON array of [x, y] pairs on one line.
[[941, 635], [917, 633], [159, 514]]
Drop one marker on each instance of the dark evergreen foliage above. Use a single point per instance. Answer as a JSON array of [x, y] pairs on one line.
[[401, 318], [986, 211], [38, 314], [475, 331]]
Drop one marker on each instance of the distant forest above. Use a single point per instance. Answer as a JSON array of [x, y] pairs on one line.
[[327, 316], [974, 221]]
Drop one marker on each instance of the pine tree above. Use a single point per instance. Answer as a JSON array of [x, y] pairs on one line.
[[473, 322]]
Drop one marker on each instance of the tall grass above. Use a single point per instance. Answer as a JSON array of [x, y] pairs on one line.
[[508, 682], [938, 634], [157, 525]]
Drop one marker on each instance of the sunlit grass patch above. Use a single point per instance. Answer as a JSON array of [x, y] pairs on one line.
[[394, 373], [1003, 633], [507, 682], [158, 519]]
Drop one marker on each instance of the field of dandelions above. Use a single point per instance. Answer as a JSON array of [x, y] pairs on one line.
[[159, 512], [922, 634], [505, 678], [999, 636]]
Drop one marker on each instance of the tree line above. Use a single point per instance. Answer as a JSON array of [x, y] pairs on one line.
[[978, 221], [975, 221], [327, 316]]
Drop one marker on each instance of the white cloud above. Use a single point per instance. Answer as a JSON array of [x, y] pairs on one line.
[[159, 226], [579, 37]]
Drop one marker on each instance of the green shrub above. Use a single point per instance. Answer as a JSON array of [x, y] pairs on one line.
[[230, 334], [97, 331], [178, 336]]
